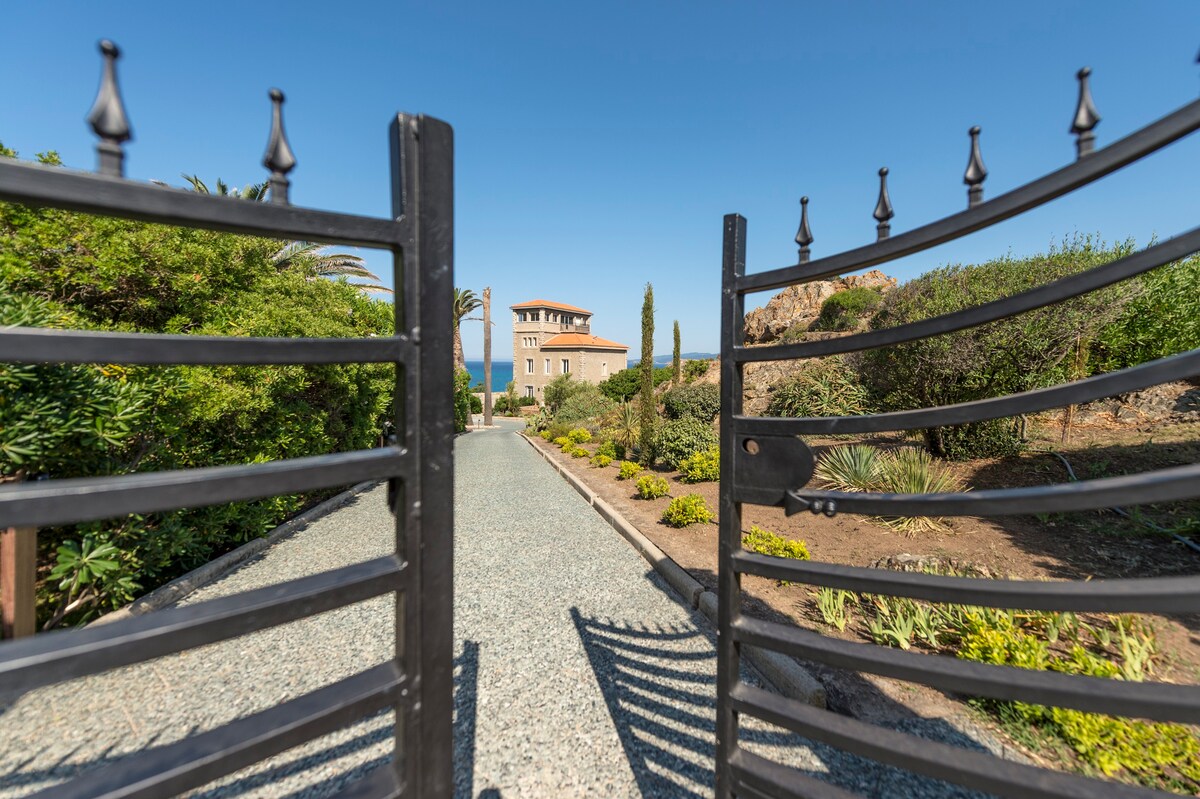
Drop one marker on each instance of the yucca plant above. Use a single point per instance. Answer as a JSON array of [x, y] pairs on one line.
[[854, 468], [912, 470]]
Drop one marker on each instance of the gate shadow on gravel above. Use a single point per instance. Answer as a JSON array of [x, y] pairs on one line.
[[659, 685]]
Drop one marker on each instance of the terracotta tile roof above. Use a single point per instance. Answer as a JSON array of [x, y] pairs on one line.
[[574, 340], [547, 304]]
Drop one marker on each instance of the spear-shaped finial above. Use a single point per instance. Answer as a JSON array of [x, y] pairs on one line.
[[804, 236], [1085, 116], [976, 171], [107, 116], [278, 158], [883, 208]]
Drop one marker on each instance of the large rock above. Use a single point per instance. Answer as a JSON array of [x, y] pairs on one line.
[[801, 304]]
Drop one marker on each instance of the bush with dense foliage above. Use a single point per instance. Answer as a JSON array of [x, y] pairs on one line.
[[462, 399], [1025, 352], [766, 542], [580, 435], [844, 310], [701, 467], [501, 404], [629, 470], [611, 449], [695, 369], [681, 438], [624, 385], [601, 460], [1162, 319], [825, 387], [699, 401], [687, 510], [63, 269], [651, 486], [585, 403]]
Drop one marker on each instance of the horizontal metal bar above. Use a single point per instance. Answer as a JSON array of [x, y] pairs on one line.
[[380, 783], [956, 764], [29, 663], [1149, 700], [38, 184], [51, 502], [756, 776], [1135, 378], [1144, 488], [1064, 288], [1144, 595], [167, 771], [41, 345], [1099, 163]]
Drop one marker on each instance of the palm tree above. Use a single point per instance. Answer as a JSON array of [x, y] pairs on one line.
[[308, 256], [465, 301]]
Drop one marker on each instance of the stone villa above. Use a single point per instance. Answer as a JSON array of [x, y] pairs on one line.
[[551, 339]]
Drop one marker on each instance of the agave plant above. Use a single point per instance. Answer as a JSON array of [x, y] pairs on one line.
[[854, 468]]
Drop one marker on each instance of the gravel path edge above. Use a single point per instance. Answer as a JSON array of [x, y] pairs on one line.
[[177, 589], [784, 673]]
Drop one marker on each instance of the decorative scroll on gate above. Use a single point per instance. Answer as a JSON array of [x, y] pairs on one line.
[[417, 683], [764, 462]]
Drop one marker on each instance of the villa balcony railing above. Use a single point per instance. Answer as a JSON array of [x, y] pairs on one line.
[[587, 329]]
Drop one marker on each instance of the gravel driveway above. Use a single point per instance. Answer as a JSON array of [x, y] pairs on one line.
[[578, 673]]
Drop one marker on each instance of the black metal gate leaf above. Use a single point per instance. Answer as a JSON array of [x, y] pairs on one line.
[[417, 683], [764, 462]]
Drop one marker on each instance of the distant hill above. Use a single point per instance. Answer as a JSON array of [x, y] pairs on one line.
[[665, 360]]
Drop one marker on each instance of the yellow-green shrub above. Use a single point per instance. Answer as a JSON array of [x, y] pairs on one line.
[[601, 460], [629, 470], [651, 486], [576, 451], [579, 435], [767, 543], [701, 467], [685, 510], [562, 442]]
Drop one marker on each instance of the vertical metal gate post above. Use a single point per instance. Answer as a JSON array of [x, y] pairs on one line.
[[733, 266]]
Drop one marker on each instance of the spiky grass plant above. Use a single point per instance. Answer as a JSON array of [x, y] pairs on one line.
[[854, 468], [912, 470]]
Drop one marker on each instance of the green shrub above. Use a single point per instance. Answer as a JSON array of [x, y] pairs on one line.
[[476, 403], [462, 399], [509, 404], [701, 402], [1161, 320], [826, 387], [579, 435], [628, 470], [601, 460], [584, 403], [558, 430], [562, 442], [64, 269], [651, 486], [857, 467], [686, 510], [765, 542], [701, 467], [843, 310], [545, 434], [624, 385], [1025, 352], [611, 449], [681, 438], [695, 369], [576, 451]]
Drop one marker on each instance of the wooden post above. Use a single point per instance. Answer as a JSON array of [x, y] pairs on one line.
[[487, 357], [18, 571]]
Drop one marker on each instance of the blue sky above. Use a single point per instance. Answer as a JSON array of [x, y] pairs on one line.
[[599, 144]]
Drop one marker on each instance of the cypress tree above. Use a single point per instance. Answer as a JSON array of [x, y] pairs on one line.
[[677, 371], [648, 410]]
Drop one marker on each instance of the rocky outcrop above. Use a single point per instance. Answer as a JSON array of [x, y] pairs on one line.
[[801, 305]]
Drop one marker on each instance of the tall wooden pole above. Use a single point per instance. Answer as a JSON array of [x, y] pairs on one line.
[[18, 573], [487, 357]]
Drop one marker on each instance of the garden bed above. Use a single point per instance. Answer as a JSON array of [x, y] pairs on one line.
[[1066, 546]]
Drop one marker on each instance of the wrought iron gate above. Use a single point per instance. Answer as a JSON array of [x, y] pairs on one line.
[[417, 683], [764, 462]]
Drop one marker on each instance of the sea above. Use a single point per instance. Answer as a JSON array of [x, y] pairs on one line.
[[501, 373]]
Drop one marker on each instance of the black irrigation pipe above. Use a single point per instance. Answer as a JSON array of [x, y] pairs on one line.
[[1121, 511]]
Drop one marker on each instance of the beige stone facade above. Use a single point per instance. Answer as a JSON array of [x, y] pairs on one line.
[[552, 338]]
